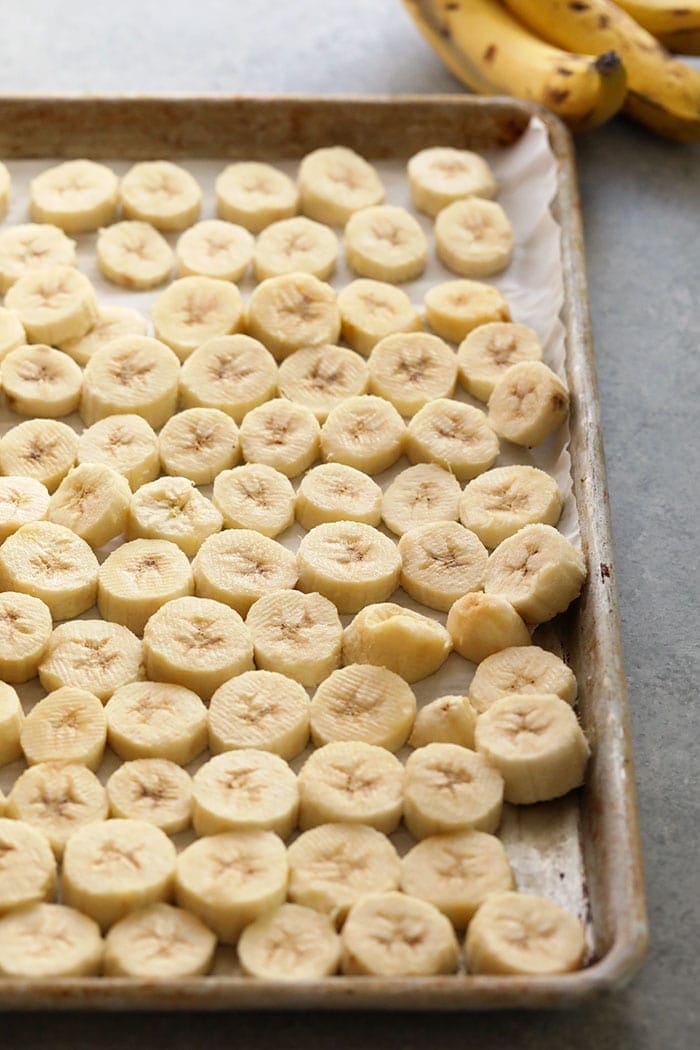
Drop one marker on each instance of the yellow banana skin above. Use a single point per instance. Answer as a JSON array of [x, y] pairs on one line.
[[676, 25], [492, 53], [663, 92]]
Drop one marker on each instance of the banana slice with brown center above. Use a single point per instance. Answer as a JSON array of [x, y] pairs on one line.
[[365, 703], [263, 710], [350, 563], [394, 935], [521, 933]]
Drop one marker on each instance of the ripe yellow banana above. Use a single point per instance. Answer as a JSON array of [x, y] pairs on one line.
[[492, 53], [676, 26]]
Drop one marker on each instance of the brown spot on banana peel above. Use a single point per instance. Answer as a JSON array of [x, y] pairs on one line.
[[490, 53]]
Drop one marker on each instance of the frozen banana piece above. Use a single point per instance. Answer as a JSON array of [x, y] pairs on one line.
[[232, 373], [394, 935], [78, 196], [291, 311], [215, 248], [320, 377], [440, 562], [255, 496], [282, 435], [53, 303], [521, 669], [152, 789], [450, 788], [351, 782], [28, 871], [255, 195], [40, 381], [528, 403], [481, 624], [22, 500], [199, 444], [238, 566], [133, 375], [159, 941], [12, 333], [420, 495], [68, 725], [161, 193], [447, 720], [11, 720], [291, 943], [350, 563], [32, 246], [298, 635], [155, 720], [93, 502], [362, 702], [402, 641], [50, 562], [412, 368], [173, 509], [456, 308], [25, 629], [134, 255], [441, 175], [521, 933], [365, 432], [336, 492], [93, 655], [334, 182], [474, 238], [193, 310], [262, 710], [125, 443], [58, 799], [139, 577], [245, 790], [457, 437], [371, 310], [297, 245], [42, 449], [48, 941], [385, 243], [490, 350], [112, 322], [500, 502]]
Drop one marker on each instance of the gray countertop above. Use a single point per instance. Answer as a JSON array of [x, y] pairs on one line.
[[641, 199]]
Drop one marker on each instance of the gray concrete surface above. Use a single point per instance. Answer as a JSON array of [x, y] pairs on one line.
[[642, 211]]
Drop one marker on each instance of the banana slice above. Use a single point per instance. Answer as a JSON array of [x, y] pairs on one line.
[[48, 941], [152, 789], [394, 935], [450, 788], [92, 655], [51, 563], [215, 249], [365, 703], [11, 719], [139, 577], [243, 790], [410, 369], [441, 175], [233, 373], [255, 496], [5, 190], [440, 562], [481, 624], [455, 308], [134, 255], [113, 868], [371, 310], [32, 246], [281, 434], [262, 710], [350, 563], [199, 444], [43, 449], [299, 635], [53, 304], [320, 377], [22, 500], [28, 869], [77, 196], [40, 381], [420, 495], [126, 443], [197, 643], [502, 501], [25, 629], [193, 310], [537, 570], [523, 670], [238, 566], [333, 865], [173, 509], [158, 942], [334, 182], [474, 238], [93, 502], [489, 350], [456, 872], [161, 193], [132, 375], [456, 436], [58, 799], [68, 725], [527, 403], [447, 720], [297, 245], [12, 333], [255, 195], [113, 322], [291, 943], [352, 783], [154, 720], [364, 432], [336, 492], [230, 879], [398, 639], [294, 310], [385, 243], [521, 933]]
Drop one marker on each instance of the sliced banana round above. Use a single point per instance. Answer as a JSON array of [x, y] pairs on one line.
[[456, 872], [51, 563], [193, 310], [126, 443], [230, 879], [159, 941], [455, 308], [22, 500], [112, 322], [155, 720], [215, 248], [291, 311], [173, 509], [198, 643], [152, 789], [5, 190], [134, 255], [243, 790], [481, 624], [93, 502], [32, 246], [40, 381], [440, 562], [490, 349], [262, 710], [233, 373], [238, 566], [447, 720], [281, 434], [523, 670], [402, 641], [385, 243], [474, 238], [136, 579], [371, 310], [161, 193], [115, 867], [500, 502], [199, 444], [364, 432], [11, 720], [537, 570], [68, 725], [77, 196], [28, 869], [336, 492], [12, 333], [291, 943], [527, 403], [320, 377], [365, 703], [58, 798], [298, 635], [394, 935], [131, 375], [420, 495], [255, 496], [297, 245], [43, 449], [25, 629], [412, 368], [350, 563], [456, 436], [255, 194], [334, 182], [48, 941], [351, 782], [441, 174], [53, 303], [521, 933], [93, 655], [450, 788]]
